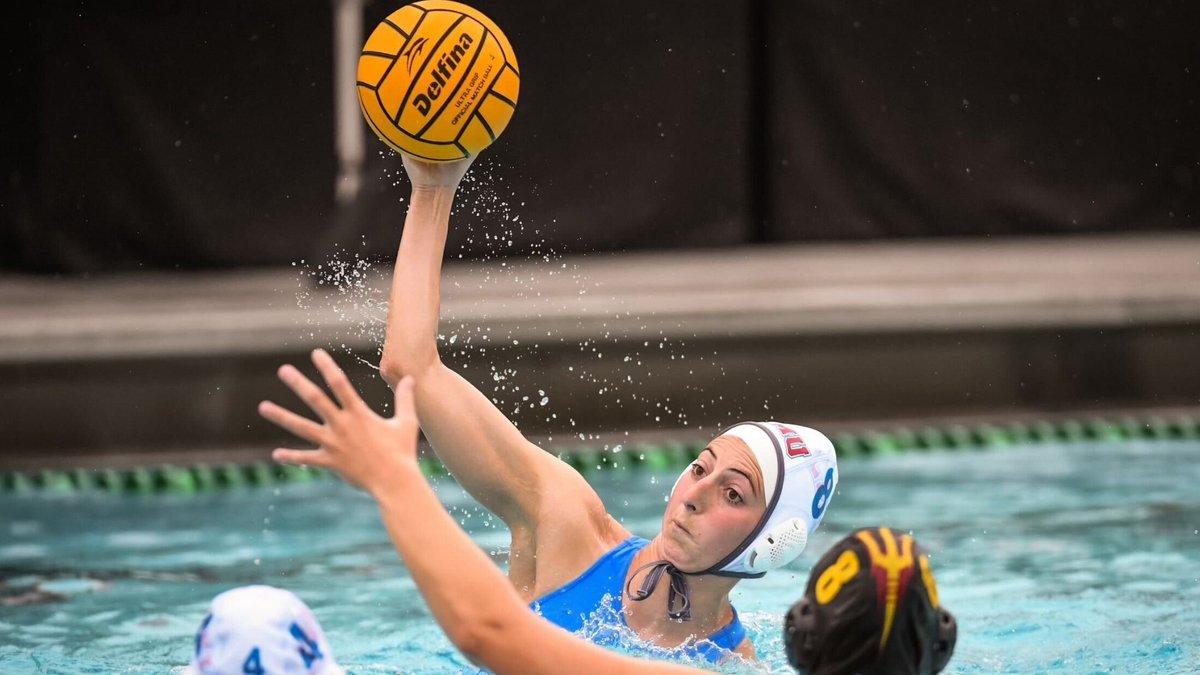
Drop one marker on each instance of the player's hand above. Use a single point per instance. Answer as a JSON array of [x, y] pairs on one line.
[[362, 447], [435, 175]]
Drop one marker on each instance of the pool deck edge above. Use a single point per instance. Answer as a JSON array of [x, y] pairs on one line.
[[834, 333]]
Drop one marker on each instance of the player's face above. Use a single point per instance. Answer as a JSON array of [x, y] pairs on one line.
[[717, 502]]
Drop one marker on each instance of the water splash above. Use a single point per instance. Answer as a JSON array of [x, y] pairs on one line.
[[346, 295], [606, 627]]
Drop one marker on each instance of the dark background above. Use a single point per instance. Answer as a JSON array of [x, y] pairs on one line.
[[150, 135]]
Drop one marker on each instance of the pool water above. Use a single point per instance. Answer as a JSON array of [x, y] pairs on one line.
[[1071, 559]]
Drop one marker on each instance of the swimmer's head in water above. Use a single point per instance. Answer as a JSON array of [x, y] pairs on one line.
[[871, 607], [261, 629], [799, 476]]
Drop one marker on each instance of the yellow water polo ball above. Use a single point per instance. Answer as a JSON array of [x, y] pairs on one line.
[[438, 80]]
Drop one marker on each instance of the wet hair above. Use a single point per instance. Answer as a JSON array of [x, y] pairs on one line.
[[870, 608]]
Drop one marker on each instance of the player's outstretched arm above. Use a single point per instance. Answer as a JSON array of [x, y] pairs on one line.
[[477, 443], [468, 595]]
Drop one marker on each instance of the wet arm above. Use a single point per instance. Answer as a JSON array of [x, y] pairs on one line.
[[477, 443], [472, 600]]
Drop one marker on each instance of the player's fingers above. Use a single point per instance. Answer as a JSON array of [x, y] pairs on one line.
[[317, 458], [297, 424], [336, 378], [308, 392]]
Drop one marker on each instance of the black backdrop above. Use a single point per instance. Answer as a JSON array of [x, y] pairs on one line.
[[161, 135], [910, 119]]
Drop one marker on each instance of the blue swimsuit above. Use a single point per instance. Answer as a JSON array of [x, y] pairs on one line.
[[604, 582]]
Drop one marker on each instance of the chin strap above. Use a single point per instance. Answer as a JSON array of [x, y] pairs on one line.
[[678, 589]]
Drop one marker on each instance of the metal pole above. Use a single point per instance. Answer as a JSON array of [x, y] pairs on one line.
[[348, 133]]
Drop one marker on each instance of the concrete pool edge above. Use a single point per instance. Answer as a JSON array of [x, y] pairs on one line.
[[821, 332]]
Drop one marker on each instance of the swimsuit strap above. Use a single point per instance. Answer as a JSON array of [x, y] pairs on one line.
[[677, 590]]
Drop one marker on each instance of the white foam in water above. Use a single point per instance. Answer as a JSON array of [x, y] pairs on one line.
[[134, 539], [606, 626], [24, 528], [22, 551], [101, 617], [73, 586]]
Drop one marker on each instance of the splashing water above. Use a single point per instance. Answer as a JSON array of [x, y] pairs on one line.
[[606, 626], [346, 295], [345, 292]]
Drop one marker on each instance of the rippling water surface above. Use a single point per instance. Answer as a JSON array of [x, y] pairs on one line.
[[1055, 559]]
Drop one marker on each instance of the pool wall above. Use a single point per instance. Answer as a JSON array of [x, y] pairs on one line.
[[138, 372]]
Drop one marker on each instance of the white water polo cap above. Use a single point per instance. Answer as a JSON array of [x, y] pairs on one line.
[[799, 468], [800, 475], [261, 629]]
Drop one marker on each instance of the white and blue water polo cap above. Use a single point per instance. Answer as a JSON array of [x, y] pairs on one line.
[[800, 476], [261, 629], [799, 468]]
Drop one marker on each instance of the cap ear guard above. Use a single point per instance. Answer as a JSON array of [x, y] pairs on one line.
[[947, 637], [778, 546], [799, 634]]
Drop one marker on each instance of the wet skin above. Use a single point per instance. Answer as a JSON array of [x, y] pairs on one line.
[[716, 504]]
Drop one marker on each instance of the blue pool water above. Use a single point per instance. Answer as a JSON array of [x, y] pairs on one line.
[[1074, 559]]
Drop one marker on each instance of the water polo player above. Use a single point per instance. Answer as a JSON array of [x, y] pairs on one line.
[[260, 629], [870, 606], [747, 503]]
